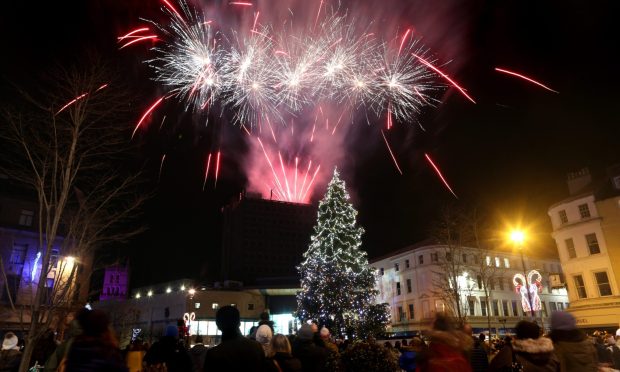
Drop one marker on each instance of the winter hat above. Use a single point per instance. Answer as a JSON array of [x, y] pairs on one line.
[[525, 329], [305, 332], [618, 332], [264, 334], [324, 332], [562, 321], [10, 341], [171, 331]]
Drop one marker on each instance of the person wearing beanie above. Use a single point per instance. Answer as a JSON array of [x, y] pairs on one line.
[[572, 347], [10, 356], [169, 352], [313, 358], [533, 352], [235, 352], [263, 337]]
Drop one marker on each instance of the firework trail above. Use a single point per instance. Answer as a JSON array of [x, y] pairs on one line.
[[428, 158], [525, 78]]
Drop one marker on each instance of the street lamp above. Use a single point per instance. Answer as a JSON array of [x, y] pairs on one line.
[[518, 237]]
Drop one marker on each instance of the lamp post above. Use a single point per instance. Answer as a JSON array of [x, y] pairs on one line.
[[518, 237]]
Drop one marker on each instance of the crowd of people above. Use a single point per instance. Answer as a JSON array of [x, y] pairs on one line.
[[445, 347]]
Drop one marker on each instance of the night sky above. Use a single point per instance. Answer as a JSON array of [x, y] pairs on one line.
[[508, 154]]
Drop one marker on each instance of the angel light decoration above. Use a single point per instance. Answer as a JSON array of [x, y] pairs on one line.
[[534, 286]]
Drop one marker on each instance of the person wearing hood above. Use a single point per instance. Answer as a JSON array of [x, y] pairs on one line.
[[572, 347], [447, 349], [532, 352], [263, 337], [198, 353], [10, 356]]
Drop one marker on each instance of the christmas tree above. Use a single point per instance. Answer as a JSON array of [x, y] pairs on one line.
[[337, 284]]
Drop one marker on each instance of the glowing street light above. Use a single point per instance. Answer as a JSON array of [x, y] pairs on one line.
[[70, 260], [517, 237]]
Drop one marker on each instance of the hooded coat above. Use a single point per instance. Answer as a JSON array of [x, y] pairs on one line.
[[535, 355], [575, 351]]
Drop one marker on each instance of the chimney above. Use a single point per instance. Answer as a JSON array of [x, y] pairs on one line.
[[578, 180]]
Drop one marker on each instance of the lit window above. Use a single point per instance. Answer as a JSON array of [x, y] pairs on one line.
[[570, 248], [602, 281], [593, 244], [584, 211], [488, 261], [506, 263], [215, 306], [25, 218], [496, 261], [580, 286], [197, 305], [563, 217]]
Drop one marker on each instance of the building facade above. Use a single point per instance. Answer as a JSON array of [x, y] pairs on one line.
[[20, 248], [586, 229], [410, 281], [264, 240]]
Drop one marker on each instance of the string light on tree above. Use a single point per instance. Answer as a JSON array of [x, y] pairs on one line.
[[337, 284]]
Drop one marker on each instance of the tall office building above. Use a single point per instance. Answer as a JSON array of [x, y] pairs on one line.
[[264, 240]]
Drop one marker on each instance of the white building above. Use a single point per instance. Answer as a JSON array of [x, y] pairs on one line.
[[408, 281], [586, 229]]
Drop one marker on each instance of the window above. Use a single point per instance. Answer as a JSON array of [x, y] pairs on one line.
[[501, 283], [604, 289], [553, 306], [411, 313], [496, 307], [544, 308], [506, 263], [396, 267], [401, 315], [398, 288], [381, 271], [408, 285], [505, 308], [434, 257], [515, 309], [472, 307], [421, 259], [476, 259], [592, 244], [570, 248], [563, 217], [483, 307], [25, 218], [250, 306], [580, 286], [18, 254], [464, 257], [54, 257], [197, 305], [560, 306], [488, 261], [496, 261], [406, 264], [426, 311], [584, 211], [215, 306], [479, 280]]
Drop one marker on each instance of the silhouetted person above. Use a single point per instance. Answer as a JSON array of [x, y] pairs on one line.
[[198, 353], [170, 352], [235, 352], [96, 349], [313, 358]]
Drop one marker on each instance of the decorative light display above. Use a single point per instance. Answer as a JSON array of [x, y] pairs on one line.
[[337, 284], [33, 273], [134, 333], [533, 284]]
